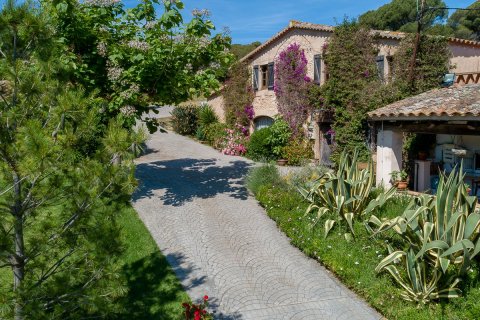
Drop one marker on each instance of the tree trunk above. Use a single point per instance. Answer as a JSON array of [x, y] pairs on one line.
[[19, 258]]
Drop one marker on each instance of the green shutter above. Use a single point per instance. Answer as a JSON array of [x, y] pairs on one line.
[[255, 78], [381, 67], [317, 68], [271, 76]]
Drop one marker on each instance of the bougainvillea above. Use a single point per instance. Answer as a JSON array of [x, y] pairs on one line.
[[234, 144], [291, 87]]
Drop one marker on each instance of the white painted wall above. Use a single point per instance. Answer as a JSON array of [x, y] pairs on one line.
[[389, 155]]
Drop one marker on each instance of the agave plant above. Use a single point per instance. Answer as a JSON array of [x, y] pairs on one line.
[[422, 282], [442, 230], [343, 195]]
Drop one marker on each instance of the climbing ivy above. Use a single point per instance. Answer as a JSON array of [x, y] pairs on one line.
[[354, 88], [433, 61], [351, 85], [238, 96]]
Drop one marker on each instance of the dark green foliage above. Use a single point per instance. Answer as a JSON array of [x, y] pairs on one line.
[[298, 152], [141, 55], [353, 88], [206, 118], [215, 133], [466, 24], [185, 119], [258, 147], [353, 80], [263, 175], [64, 175], [400, 15], [206, 115], [238, 94], [354, 262], [433, 61], [280, 134], [241, 50]]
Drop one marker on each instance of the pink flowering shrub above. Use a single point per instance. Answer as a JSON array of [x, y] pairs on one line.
[[291, 87], [234, 144]]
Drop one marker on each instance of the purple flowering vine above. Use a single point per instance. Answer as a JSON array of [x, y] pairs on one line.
[[249, 112], [291, 87]]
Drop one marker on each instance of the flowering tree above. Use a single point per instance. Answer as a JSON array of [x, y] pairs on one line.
[[136, 58], [291, 87]]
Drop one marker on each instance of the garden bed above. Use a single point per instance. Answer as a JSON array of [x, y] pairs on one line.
[[354, 262]]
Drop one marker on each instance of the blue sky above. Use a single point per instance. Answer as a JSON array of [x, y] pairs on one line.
[[258, 20]]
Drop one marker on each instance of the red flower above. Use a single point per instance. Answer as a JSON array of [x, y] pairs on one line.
[[205, 298], [197, 315]]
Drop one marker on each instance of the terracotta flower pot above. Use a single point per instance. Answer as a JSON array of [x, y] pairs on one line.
[[402, 185], [282, 162]]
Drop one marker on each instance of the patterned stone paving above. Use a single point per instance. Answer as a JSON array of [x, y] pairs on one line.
[[220, 242]]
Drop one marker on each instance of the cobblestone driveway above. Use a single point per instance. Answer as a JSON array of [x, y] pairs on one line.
[[220, 242]]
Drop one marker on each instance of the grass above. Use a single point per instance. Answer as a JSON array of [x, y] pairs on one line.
[[354, 262], [153, 290]]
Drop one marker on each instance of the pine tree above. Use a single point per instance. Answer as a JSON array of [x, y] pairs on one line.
[[63, 175]]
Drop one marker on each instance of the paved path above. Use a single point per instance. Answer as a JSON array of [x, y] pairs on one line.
[[220, 242]]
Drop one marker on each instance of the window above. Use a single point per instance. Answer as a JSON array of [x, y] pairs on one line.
[[262, 122], [264, 76], [317, 68], [381, 67], [264, 69]]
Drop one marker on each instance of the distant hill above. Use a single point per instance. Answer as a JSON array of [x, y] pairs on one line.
[[241, 50]]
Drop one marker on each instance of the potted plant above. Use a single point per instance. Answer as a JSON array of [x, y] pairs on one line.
[[468, 188], [399, 179]]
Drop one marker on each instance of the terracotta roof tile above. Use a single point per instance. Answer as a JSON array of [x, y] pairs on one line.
[[395, 35], [454, 102]]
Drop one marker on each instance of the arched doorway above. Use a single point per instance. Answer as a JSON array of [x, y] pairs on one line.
[[262, 122]]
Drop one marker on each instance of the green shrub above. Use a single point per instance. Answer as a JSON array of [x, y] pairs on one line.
[[258, 147], [280, 134], [200, 133], [185, 119], [263, 175], [206, 116], [215, 134], [298, 152]]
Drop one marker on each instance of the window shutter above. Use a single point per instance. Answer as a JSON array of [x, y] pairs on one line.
[[317, 68], [271, 76], [255, 78], [381, 67]]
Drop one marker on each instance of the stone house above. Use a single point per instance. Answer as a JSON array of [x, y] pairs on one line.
[[312, 39]]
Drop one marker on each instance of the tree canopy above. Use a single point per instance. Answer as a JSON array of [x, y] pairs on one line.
[[466, 24], [74, 78], [400, 15], [138, 57]]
